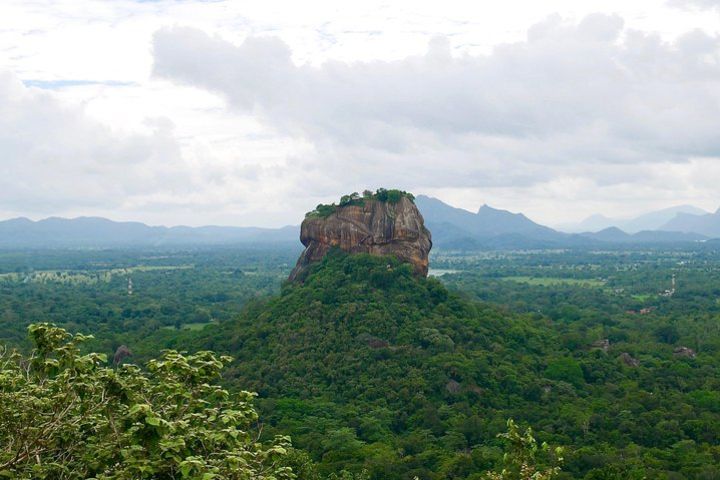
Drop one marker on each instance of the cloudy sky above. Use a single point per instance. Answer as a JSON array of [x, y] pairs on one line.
[[250, 113]]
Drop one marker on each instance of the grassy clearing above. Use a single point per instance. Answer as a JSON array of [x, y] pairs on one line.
[[548, 281], [439, 272], [643, 297], [190, 326], [86, 277]]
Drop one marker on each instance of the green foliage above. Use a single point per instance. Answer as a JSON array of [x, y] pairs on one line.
[[370, 368], [381, 195], [379, 374], [67, 415], [667, 334], [418, 380], [566, 370], [173, 290], [521, 462]]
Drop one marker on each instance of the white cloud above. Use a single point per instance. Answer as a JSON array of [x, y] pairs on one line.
[[588, 100], [274, 106], [54, 156], [701, 4]]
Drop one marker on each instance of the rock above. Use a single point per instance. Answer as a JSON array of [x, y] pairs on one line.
[[629, 360], [603, 344], [121, 354], [367, 226], [453, 386], [684, 352]]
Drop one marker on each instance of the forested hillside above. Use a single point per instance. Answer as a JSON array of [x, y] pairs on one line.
[[377, 372], [367, 367]]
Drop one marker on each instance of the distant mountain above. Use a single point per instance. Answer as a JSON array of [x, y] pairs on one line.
[[100, 232], [455, 228], [487, 220], [610, 234], [452, 229], [656, 220], [615, 235], [593, 223], [707, 224]]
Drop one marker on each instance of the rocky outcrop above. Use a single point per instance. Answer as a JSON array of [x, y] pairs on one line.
[[121, 354], [684, 352], [603, 344], [629, 360], [370, 226]]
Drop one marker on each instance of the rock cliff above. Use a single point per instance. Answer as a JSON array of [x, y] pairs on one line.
[[367, 226]]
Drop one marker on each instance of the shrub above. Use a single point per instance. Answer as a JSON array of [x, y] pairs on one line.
[[67, 415]]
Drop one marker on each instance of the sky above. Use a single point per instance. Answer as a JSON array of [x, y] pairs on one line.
[[220, 112]]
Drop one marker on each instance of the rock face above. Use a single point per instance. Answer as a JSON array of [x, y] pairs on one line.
[[375, 227]]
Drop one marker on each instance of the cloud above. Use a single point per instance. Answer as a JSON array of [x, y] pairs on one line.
[[700, 4], [56, 84], [55, 157], [584, 100]]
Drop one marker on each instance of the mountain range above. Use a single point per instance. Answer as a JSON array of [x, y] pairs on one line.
[[452, 228], [656, 220], [707, 224], [57, 232], [455, 228]]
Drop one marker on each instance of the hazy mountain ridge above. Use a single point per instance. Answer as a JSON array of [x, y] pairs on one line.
[[655, 220], [616, 235], [707, 224], [452, 228], [455, 228], [101, 232]]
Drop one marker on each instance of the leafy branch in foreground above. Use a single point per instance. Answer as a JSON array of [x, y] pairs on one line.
[[520, 459], [67, 415]]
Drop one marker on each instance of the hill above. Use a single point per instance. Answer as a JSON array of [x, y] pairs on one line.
[[99, 232], [357, 363], [369, 367]]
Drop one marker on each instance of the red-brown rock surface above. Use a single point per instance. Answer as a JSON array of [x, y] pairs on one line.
[[375, 227]]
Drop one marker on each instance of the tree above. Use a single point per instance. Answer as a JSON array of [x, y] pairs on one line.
[[67, 415], [520, 460], [565, 369], [667, 334]]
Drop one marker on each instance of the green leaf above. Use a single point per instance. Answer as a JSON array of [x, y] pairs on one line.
[[155, 421]]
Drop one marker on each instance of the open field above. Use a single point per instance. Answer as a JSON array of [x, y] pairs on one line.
[[548, 281], [86, 277]]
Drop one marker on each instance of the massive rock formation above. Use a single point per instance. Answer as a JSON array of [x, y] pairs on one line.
[[370, 226]]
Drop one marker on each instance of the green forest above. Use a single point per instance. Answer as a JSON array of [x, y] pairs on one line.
[[365, 371]]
